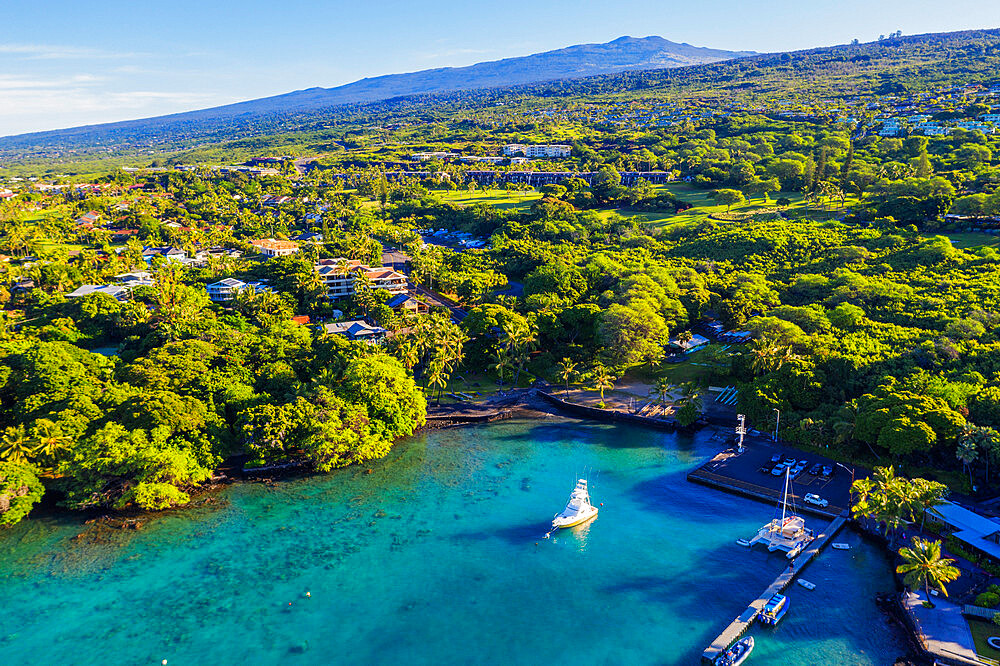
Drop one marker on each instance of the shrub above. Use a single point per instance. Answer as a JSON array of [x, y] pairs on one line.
[[987, 600]]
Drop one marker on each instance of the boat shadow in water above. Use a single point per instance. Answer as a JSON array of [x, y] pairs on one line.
[[517, 535]]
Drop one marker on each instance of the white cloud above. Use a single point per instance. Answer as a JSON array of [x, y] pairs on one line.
[[56, 52]]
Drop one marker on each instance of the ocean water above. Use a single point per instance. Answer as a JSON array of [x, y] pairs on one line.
[[437, 556]]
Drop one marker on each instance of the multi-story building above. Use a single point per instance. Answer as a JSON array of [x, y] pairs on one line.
[[340, 276], [225, 291], [271, 248], [541, 150]]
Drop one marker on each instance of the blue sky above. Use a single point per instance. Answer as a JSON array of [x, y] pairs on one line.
[[65, 63]]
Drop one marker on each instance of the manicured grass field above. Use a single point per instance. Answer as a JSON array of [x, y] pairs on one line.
[[498, 198], [980, 632], [969, 239]]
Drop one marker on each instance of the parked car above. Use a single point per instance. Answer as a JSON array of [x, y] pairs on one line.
[[827, 471], [803, 463], [776, 458], [778, 470], [815, 500], [816, 469], [798, 469], [789, 462], [766, 469]]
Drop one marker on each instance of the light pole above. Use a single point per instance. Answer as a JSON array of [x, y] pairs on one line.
[[849, 469], [741, 430], [777, 423]]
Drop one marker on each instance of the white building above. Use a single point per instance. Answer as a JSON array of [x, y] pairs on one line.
[[541, 150], [224, 291], [339, 275], [118, 292], [271, 248]]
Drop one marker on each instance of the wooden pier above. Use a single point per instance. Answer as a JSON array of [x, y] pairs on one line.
[[739, 626]]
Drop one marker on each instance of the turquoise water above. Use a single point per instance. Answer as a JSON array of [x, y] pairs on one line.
[[437, 557]]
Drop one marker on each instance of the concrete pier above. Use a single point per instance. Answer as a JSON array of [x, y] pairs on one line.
[[738, 627]]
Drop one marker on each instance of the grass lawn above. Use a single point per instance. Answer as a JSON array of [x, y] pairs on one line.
[[697, 367], [498, 198], [982, 630], [969, 239]]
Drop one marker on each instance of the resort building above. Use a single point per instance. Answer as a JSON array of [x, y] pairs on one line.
[[340, 275], [541, 150], [271, 248]]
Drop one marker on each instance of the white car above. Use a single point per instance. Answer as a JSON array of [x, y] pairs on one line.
[[815, 500]]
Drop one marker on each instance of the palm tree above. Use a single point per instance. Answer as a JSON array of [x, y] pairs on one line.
[[567, 370], [968, 454], [502, 364], [924, 567], [49, 439], [927, 495], [603, 381], [15, 446], [662, 389]]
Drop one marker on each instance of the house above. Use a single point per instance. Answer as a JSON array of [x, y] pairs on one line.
[[135, 279], [686, 346], [6, 194], [308, 237], [408, 303], [357, 330], [118, 292], [226, 290], [171, 253], [340, 275], [980, 533], [271, 248], [88, 219]]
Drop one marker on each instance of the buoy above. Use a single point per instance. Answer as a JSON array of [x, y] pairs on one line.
[[308, 594], [289, 603], [164, 662], [602, 503]]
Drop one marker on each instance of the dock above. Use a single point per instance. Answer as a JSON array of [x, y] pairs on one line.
[[738, 627]]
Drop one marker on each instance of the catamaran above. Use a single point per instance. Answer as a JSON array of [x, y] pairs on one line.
[[578, 510], [788, 533]]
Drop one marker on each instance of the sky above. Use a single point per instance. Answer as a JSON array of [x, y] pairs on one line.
[[65, 63]]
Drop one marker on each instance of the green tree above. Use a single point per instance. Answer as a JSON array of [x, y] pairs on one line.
[[20, 490], [924, 567], [728, 198]]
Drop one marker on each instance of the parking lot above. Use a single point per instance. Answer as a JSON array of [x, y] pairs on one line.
[[745, 470]]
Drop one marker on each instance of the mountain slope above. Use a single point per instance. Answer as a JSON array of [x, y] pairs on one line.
[[584, 60]]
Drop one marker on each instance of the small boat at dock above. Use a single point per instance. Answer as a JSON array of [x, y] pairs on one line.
[[774, 610], [743, 542], [841, 546], [578, 510], [806, 584], [737, 654]]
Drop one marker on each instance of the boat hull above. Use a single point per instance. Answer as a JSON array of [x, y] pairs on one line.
[[563, 523]]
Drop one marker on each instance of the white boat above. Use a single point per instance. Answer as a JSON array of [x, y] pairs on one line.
[[841, 546], [737, 654], [578, 510], [806, 584], [788, 533], [743, 542]]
